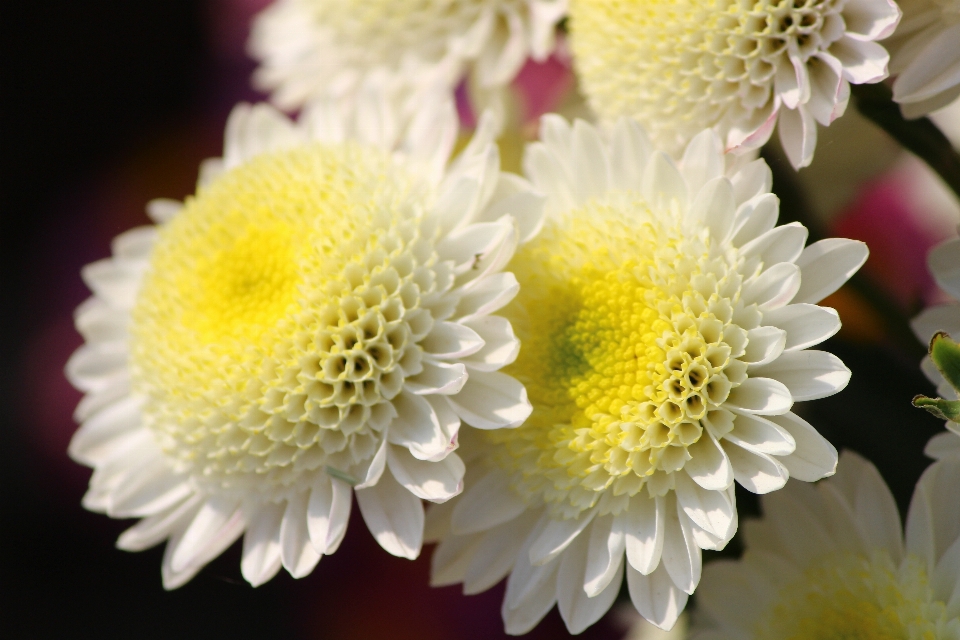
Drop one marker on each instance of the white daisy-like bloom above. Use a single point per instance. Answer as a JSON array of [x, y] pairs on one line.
[[681, 66], [329, 47], [926, 56], [314, 324], [944, 264], [831, 562], [665, 323]]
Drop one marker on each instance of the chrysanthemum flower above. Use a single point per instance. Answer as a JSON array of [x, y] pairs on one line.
[[944, 263], [681, 66], [315, 323], [665, 324], [312, 47], [926, 56], [831, 561]]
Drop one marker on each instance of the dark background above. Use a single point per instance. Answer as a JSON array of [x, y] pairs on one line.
[[104, 105]]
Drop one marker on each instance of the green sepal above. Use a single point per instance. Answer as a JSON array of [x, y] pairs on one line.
[[943, 409], [945, 353], [341, 475]]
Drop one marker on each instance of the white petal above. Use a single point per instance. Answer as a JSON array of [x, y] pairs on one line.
[[154, 529], [871, 20], [163, 210], [629, 150], [826, 88], [115, 281], [486, 504], [761, 396], [436, 481], [942, 445], [556, 536], [550, 177], [763, 435], [708, 466], [374, 468], [712, 511], [531, 593], [755, 471], [798, 135], [451, 340], [662, 183], [492, 400], [874, 507], [714, 207], [451, 558], [577, 609], [605, 550], [106, 431], [755, 217], [808, 374], [214, 546], [153, 488], [655, 597], [764, 345], [591, 175], [781, 244], [801, 529], [643, 526], [773, 288], [339, 514], [814, 458], [297, 554], [806, 324], [97, 366], [207, 525], [754, 179], [438, 378], [826, 265], [944, 317], [486, 295], [393, 515], [97, 321], [863, 61], [500, 344], [944, 263], [495, 554], [261, 545], [681, 555], [702, 160], [418, 428]]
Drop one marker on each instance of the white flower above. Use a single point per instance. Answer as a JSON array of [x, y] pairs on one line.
[[944, 263], [317, 316], [681, 66], [665, 324], [830, 561], [329, 47], [926, 56]]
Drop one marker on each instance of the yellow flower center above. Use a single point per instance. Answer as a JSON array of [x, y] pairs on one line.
[[680, 66], [629, 344], [280, 312], [851, 597]]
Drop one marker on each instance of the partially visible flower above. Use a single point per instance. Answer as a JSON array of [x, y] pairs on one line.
[[681, 66], [944, 262], [666, 323], [926, 56], [329, 47], [314, 324], [831, 561]]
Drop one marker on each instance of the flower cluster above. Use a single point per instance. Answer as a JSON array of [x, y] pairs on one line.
[[359, 303]]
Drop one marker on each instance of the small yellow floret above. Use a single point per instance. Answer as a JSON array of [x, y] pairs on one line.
[[681, 66], [852, 597], [625, 318], [278, 312]]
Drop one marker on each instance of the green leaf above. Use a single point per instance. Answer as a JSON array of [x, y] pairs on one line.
[[943, 409], [946, 355], [341, 475]]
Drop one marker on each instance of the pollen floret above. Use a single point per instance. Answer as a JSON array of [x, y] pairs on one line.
[[680, 66], [315, 323], [815, 570], [665, 323], [925, 56], [313, 47]]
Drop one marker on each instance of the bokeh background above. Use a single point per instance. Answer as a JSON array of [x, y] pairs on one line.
[[106, 104]]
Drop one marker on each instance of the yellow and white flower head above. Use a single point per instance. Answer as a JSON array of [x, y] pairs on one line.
[[315, 323], [329, 47], [665, 323], [944, 264], [831, 561], [680, 66], [926, 56]]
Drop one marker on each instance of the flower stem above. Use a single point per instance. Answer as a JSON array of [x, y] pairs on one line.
[[921, 136]]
